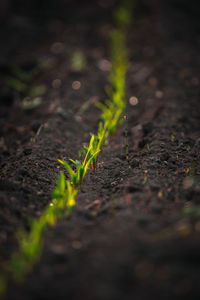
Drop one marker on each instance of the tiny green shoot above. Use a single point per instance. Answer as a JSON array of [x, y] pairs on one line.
[[77, 176], [78, 61]]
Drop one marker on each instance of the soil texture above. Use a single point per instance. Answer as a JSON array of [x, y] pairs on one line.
[[135, 231]]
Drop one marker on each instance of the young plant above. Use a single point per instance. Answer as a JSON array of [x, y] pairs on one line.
[[102, 134], [110, 115], [97, 144], [59, 194], [123, 14], [93, 153], [31, 243], [74, 176], [113, 108], [81, 168], [71, 195]]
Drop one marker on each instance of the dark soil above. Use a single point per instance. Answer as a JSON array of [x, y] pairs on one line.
[[128, 237]]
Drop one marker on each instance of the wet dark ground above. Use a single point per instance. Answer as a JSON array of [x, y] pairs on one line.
[[129, 236]]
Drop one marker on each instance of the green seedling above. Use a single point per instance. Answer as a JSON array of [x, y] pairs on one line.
[[148, 147], [172, 137], [113, 108], [59, 194], [17, 78], [123, 14], [74, 176], [92, 152], [110, 115], [81, 168], [38, 90], [30, 249], [78, 61], [31, 243], [15, 83], [71, 195], [103, 133], [64, 195], [97, 144]]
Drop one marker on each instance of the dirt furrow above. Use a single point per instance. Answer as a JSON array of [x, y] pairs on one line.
[[134, 233]]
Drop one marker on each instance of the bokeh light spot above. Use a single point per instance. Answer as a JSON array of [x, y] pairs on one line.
[[133, 101], [76, 85], [159, 94], [104, 65]]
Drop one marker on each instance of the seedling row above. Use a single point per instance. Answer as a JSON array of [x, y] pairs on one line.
[[64, 194]]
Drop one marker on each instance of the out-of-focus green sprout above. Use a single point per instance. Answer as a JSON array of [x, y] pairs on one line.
[[78, 61]]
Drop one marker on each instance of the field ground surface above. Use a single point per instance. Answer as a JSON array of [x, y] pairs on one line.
[[135, 231]]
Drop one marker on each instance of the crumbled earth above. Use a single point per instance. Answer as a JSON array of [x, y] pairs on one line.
[[131, 235]]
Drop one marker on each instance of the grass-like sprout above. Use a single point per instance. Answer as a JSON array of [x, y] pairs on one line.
[[97, 144], [71, 195], [93, 152], [31, 243], [123, 15], [59, 194], [81, 167], [113, 108], [78, 61]]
